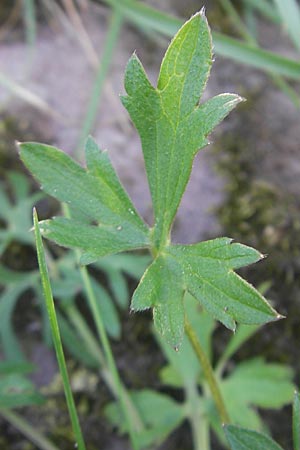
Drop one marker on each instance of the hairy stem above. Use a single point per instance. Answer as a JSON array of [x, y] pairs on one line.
[[208, 372]]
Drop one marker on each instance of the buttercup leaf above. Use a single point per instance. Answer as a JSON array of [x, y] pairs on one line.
[[173, 127], [205, 270], [171, 124], [243, 439], [161, 288], [112, 223]]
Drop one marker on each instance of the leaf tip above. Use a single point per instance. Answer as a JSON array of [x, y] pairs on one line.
[[263, 256], [280, 317], [34, 214], [240, 99]]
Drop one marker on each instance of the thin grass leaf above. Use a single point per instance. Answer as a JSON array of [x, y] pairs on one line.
[[145, 16], [56, 335], [256, 57], [289, 11], [27, 96], [102, 71], [265, 8], [29, 12]]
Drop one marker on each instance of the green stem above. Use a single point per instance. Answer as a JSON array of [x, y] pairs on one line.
[[85, 333], [197, 419], [208, 372], [92, 344], [31, 433], [107, 351], [111, 40], [56, 335]]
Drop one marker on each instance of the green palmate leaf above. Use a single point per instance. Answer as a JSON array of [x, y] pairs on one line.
[[205, 270], [17, 391], [256, 383], [15, 212], [243, 439], [162, 289], [289, 12], [160, 413], [171, 124], [259, 383], [95, 192], [184, 367]]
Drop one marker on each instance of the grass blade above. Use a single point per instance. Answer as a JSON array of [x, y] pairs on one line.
[[147, 17], [251, 40], [256, 57], [289, 12], [25, 428], [30, 21], [236, 21], [108, 51], [27, 96], [265, 8], [56, 335]]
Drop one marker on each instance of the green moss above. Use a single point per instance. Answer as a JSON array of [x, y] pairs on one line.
[[261, 215]]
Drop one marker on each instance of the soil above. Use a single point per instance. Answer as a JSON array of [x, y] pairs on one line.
[[246, 184]]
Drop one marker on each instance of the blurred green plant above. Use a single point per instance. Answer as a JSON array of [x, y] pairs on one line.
[[245, 52], [17, 391], [66, 287], [15, 388], [15, 210], [245, 439], [245, 387]]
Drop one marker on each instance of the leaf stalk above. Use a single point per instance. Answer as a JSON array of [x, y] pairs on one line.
[[208, 372]]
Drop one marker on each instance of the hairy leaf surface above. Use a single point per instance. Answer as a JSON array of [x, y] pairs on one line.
[[112, 223], [243, 439], [173, 126], [205, 270], [171, 123]]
